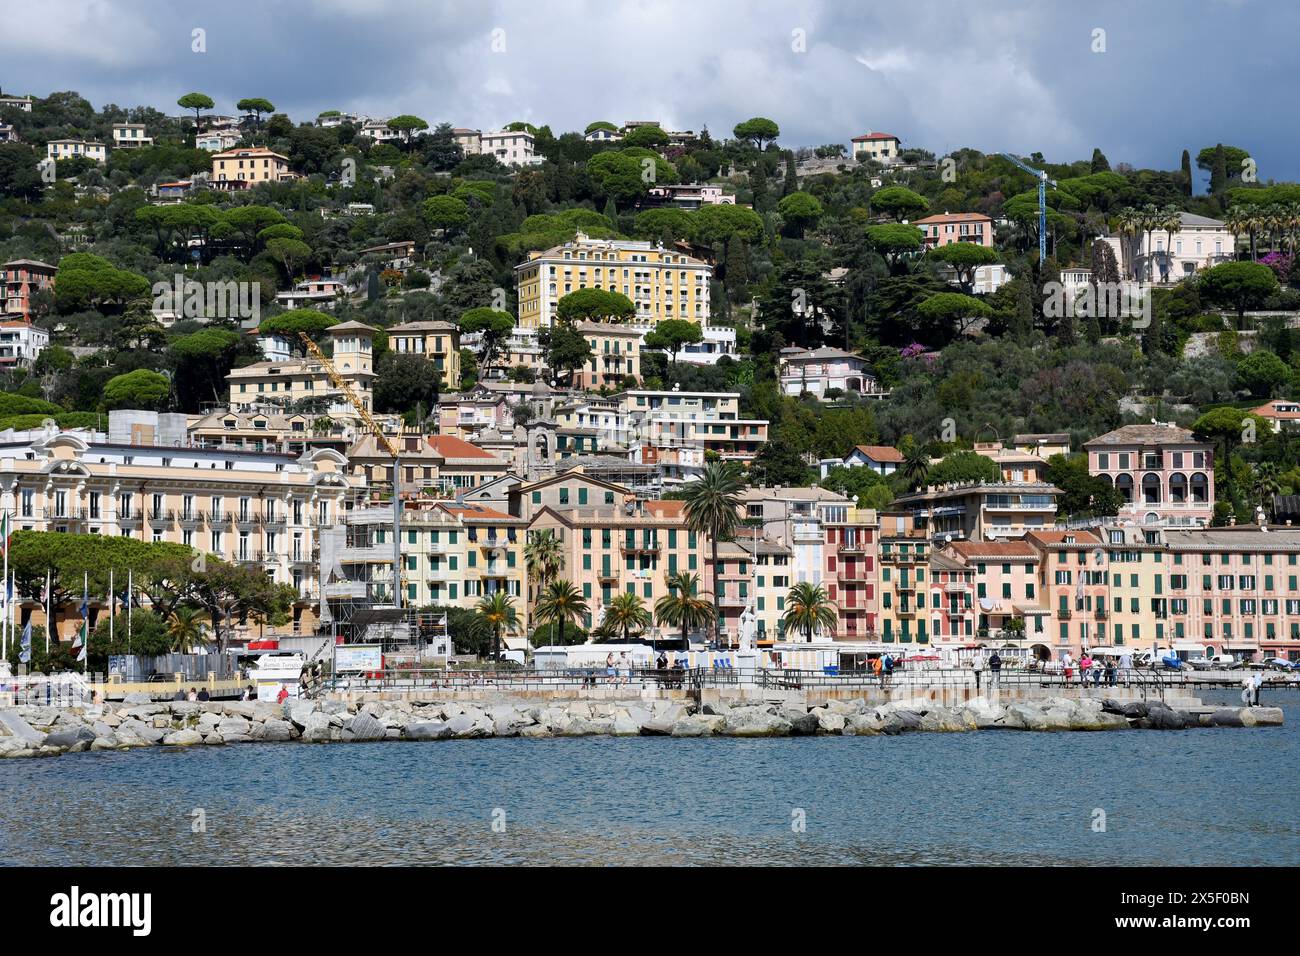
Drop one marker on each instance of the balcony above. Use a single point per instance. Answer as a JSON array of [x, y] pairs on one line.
[[607, 574], [494, 569], [161, 518], [732, 600], [192, 518], [1101, 613], [274, 521], [128, 521], [1064, 614], [247, 519], [642, 548]]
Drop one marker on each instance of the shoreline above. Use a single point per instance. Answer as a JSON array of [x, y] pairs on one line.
[[34, 731]]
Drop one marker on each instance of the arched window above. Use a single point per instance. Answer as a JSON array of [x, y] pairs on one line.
[[1178, 487], [1151, 488], [1200, 488], [1124, 485]]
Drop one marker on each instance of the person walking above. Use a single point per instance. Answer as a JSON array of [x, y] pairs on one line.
[[878, 668], [978, 667], [995, 669], [1258, 682], [887, 667], [611, 672], [1085, 665]]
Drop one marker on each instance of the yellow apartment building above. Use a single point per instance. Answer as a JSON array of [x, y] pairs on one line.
[[439, 342], [284, 383], [662, 283], [256, 164]]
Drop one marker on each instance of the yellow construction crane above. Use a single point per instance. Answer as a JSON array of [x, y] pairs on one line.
[[342, 385]]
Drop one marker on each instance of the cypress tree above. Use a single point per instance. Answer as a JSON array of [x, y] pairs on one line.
[[791, 178], [1187, 172], [1219, 170], [737, 267], [1099, 162]]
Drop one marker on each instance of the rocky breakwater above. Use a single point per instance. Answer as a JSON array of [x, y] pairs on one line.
[[41, 731]]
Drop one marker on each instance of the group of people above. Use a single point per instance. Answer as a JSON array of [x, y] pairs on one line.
[[618, 669], [995, 669], [1097, 669], [883, 668], [193, 694]]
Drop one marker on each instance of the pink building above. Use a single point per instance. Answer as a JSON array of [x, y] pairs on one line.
[[952, 601], [956, 227], [21, 279], [852, 555], [1074, 579], [1164, 473], [1006, 588]]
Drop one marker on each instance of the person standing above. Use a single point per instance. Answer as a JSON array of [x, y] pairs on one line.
[[978, 667], [1258, 682], [995, 669]]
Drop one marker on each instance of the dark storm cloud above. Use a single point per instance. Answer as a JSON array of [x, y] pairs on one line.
[[996, 74]]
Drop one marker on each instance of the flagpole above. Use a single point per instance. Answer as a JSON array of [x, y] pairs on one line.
[[112, 607], [85, 621], [129, 588], [49, 621], [4, 630]]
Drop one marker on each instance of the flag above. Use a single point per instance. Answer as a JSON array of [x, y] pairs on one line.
[[83, 635], [26, 656], [4, 534]]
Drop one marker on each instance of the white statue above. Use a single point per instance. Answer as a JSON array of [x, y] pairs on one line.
[[748, 628]]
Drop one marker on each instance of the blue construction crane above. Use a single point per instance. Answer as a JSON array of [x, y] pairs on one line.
[[1043, 183]]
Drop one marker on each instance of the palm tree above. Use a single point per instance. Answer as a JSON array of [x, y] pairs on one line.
[[682, 606], [1171, 221], [187, 629], [544, 556], [712, 508], [497, 611], [1238, 221], [807, 608], [1266, 483], [627, 612], [560, 603], [1128, 224], [916, 465]]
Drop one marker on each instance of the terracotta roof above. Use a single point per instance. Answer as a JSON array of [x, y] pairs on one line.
[[954, 217], [449, 446], [871, 136], [1270, 410], [666, 509], [994, 549], [476, 511], [1083, 536], [880, 452]]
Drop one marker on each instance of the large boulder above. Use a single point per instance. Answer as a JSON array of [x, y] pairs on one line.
[[1266, 716], [277, 730], [427, 730], [802, 723], [464, 725], [317, 729], [829, 722], [299, 711], [237, 726], [366, 727], [942, 720], [863, 725], [699, 725], [240, 708], [70, 736], [753, 722], [137, 698], [184, 708], [183, 738]]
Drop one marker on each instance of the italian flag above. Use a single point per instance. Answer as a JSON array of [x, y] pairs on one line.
[[4, 534]]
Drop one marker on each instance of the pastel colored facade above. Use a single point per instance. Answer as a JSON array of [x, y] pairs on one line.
[[570, 489], [752, 574], [398, 255], [608, 550], [8, 134], [453, 555], [465, 414], [259, 432], [438, 342], [615, 355], [283, 383], [510, 147], [23, 103], [131, 136], [1164, 473], [690, 195], [1013, 465], [252, 165], [945, 229], [1007, 588], [952, 601], [904, 561], [20, 280], [982, 510], [262, 510], [852, 562], [379, 131], [882, 459], [1282, 413], [1074, 584], [662, 283], [431, 464], [57, 149], [21, 343], [216, 141], [1198, 243], [1042, 444], [318, 293], [817, 371], [469, 140], [877, 147], [709, 421]]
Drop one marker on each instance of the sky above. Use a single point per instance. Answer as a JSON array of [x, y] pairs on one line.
[[1141, 79]]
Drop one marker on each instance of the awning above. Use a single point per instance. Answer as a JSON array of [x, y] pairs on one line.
[[515, 643]]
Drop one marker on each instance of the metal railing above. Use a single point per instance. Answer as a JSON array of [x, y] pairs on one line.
[[568, 678]]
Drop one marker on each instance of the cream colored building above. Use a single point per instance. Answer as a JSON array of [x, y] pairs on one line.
[[57, 149], [263, 510], [271, 384], [131, 135], [615, 355], [662, 283], [255, 164]]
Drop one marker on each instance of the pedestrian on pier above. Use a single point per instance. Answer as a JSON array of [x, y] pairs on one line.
[[1257, 685], [995, 669], [978, 668]]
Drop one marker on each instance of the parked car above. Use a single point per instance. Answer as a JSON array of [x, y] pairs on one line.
[[1280, 664], [1221, 662]]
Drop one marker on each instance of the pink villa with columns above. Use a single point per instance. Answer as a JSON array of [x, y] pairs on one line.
[[1164, 473]]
